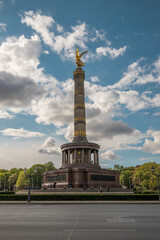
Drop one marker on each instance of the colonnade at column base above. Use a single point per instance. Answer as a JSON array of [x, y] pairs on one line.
[[82, 154]]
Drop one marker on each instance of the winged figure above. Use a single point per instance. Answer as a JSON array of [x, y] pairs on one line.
[[78, 57]]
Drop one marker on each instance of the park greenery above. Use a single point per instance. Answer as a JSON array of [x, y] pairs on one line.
[[17, 177], [139, 178]]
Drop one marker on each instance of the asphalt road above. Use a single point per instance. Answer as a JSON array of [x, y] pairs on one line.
[[80, 221]]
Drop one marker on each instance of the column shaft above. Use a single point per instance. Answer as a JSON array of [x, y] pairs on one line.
[[95, 157], [89, 155], [62, 157], [75, 155], [79, 106], [68, 156], [82, 155]]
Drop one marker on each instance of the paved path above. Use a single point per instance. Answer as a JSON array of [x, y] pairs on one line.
[[79, 221]]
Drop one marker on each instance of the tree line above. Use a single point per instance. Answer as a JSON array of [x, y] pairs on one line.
[[17, 177], [139, 177]]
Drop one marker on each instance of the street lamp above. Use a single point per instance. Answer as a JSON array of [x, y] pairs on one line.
[[157, 175], [29, 189]]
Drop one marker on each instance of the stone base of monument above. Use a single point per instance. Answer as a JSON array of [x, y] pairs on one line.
[[80, 177]]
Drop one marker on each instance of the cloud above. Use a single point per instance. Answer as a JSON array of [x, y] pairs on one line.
[[20, 56], [112, 52], [17, 91], [56, 109], [4, 114], [152, 146], [59, 28], [94, 79], [149, 158], [2, 27], [137, 74], [104, 165], [156, 114], [111, 100], [20, 133], [101, 128], [1, 4], [133, 101], [40, 24], [132, 73], [110, 155], [63, 42], [49, 147]]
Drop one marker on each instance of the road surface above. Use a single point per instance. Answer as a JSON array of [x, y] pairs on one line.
[[79, 221]]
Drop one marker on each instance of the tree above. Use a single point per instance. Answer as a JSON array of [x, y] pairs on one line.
[[118, 167], [36, 172], [143, 177], [3, 180], [22, 181], [12, 180], [49, 166], [126, 177], [17, 176]]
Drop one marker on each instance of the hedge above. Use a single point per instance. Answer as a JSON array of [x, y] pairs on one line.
[[146, 192], [7, 193], [81, 197]]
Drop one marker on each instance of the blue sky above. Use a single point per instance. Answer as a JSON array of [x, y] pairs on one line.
[[122, 83]]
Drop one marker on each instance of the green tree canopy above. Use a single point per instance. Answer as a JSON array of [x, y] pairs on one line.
[[49, 166], [22, 181], [143, 177], [126, 177], [118, 167], [12, 180]]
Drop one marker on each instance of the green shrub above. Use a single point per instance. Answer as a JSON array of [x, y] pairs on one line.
[[81, 197], [7, 193], [146, 192]]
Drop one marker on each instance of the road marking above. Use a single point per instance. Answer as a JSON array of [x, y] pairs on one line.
[[100, 230], [121, 219], [71, 231]]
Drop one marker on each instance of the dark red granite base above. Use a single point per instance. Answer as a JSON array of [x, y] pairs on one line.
[[77, 177]]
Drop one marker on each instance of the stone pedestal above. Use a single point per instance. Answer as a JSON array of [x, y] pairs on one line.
[[77, 177]]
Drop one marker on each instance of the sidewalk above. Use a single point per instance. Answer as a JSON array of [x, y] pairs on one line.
[[80, 202]]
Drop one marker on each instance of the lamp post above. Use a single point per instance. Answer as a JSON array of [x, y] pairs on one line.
[[157, 175], [29, 189]]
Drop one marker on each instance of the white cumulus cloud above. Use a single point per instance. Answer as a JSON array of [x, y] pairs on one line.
[[64, 42], [5, 114], [2, 27], [94, 79], [152, 144], [112, 52], [20, 133], [110, 155], [49, 147]]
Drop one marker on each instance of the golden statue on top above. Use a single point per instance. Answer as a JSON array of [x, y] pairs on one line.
[[78, 57]]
